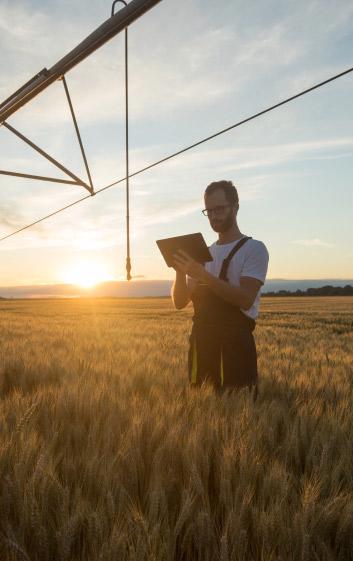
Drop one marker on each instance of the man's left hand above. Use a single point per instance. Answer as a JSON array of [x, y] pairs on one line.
[[189, 265]]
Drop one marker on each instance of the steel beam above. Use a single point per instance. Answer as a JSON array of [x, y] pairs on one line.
[[38, 177], [111, 27]]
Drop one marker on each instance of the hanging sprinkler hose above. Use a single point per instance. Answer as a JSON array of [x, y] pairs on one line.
[[128, 260]]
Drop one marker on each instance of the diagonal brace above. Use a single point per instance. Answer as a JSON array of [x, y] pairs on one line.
[[48, 157], [77, 132], [37, 177]]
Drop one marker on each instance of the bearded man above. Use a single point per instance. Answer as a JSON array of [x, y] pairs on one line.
[[225, 294]]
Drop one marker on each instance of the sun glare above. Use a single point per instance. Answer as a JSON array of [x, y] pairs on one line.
[[87, 274]]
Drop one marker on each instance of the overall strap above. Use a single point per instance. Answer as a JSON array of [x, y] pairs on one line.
[[227, 260]]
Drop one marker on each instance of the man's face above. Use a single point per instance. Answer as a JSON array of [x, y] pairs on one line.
[[221, 214]]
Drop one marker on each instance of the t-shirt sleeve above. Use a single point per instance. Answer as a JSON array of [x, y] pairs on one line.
[[256, 263]]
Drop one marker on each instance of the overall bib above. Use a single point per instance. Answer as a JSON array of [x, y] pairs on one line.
[[222, 349]]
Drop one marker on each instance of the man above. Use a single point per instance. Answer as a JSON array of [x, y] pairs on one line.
[[226, 294]]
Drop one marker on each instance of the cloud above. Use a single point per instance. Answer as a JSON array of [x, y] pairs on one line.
[[210, 160], [206, 70], [19, 29], [315, 242], [10, 216], [229, 160], [157, 197], [199, 76], [180, 71]]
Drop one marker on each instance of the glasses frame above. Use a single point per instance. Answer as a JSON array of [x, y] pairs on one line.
[[217, 212]]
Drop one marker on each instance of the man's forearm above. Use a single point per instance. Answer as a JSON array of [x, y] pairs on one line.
[[180, 295], [233, 294]]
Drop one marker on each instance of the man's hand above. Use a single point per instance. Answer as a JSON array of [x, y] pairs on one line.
[[185, 263]]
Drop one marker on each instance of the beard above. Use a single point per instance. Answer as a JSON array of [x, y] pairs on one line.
[[222, 225]]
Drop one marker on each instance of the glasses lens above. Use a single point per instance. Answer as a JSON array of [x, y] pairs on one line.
[[215, 210]]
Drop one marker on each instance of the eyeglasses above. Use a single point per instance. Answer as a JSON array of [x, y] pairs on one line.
[[216, 210]]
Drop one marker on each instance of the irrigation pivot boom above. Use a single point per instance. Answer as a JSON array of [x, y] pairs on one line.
[[94, 41], [111, 27], [43, 79], [115, 24]]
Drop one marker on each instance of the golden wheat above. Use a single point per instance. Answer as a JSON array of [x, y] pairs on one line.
[[106, 454]]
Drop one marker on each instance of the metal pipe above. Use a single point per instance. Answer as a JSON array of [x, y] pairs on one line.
[[128, 256], [127, 171], [43, 72], [94, 41]]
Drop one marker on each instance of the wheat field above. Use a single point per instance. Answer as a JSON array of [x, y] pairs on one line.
[[106, 454]]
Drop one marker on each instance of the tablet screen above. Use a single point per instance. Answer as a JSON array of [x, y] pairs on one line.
[[193, 244]]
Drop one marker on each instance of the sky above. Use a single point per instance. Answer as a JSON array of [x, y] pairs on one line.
[[195, 67]]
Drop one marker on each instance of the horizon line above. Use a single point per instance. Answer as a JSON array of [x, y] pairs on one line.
[[140, 279]]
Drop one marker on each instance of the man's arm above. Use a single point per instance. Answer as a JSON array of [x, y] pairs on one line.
[[242, 296], [181, 292]]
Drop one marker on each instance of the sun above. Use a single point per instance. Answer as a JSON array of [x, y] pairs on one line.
[[87, 274]]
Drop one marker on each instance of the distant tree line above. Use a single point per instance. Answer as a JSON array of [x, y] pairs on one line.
[[327, 290]]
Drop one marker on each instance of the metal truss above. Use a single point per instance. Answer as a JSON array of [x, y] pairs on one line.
[[43, 79], [74, 179]]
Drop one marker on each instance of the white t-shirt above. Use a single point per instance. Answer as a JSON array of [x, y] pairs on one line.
[[251, 260]]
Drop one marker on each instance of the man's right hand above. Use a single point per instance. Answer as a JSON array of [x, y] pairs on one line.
[[177, 268]]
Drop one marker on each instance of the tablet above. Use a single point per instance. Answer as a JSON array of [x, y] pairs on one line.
[[193, 244]]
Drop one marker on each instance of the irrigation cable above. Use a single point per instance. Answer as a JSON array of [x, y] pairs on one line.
[[208, 138]]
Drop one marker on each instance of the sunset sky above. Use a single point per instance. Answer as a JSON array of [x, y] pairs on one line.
[[195, 67]]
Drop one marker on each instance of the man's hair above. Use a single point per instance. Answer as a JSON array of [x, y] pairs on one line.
[[230, 191]]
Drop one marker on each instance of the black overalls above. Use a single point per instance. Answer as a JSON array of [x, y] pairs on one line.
[[222, 347]]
